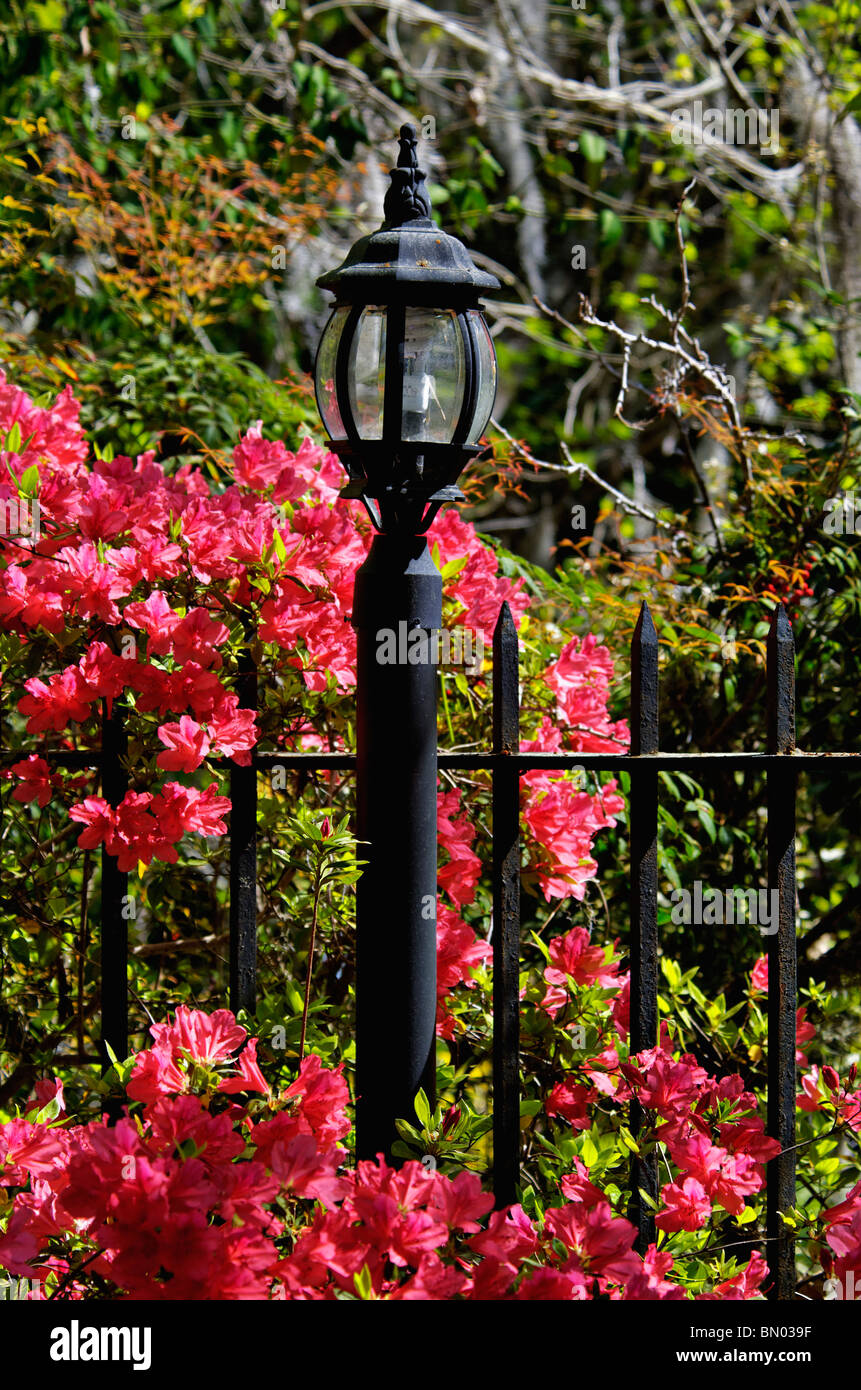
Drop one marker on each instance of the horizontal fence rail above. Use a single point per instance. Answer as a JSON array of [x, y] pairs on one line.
[[781, 763], [486, 761]]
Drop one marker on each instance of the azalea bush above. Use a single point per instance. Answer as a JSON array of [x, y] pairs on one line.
[[146, 589], [216, 1185]]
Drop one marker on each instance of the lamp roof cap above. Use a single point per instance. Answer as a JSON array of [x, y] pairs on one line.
[[409, 257]]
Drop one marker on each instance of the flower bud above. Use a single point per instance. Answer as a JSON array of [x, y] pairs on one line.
[[450, 1118]]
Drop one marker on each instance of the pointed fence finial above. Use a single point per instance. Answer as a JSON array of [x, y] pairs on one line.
[[506, 684], [644, 685], [780, 664]]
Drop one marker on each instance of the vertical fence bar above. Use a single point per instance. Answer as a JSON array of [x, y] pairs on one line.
[[644, 896], [243, 861], [782, 964], [114, 922], [506, 913]]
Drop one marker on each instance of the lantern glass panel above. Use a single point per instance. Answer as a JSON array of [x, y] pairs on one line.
[[486, 367], [324, 375], [366, 373], [434, 376]]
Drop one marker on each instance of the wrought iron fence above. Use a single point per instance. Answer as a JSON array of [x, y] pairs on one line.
[[781, 764]]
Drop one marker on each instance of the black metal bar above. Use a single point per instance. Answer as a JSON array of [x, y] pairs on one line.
[[115, 884], [506, 912], [599, 762], [484, 761], [393, 384], [323, 762], [398, 592], [243, 861], [782, 962], [644, 898]]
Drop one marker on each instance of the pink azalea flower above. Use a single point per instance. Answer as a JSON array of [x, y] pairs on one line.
[[97, 816], [28, 1150], [759, 976], [509, 1236], [204, 1038], [460, 875], [572, 955], [649, 1284], [206, 810], [686, 1206], [233, 731], [66, 697], [460, 1201], [156, 618], [804, 1033], [19, 1246], [196, 637], [249, 1076], [36, 781], [155, 1074], [570, 1101], [743, 1285], [577, 1187], [323, 1094], [554, 1286], [187, 744], [599, 1242], [300, 1166]]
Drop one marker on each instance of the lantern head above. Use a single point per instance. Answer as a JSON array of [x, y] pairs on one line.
[[406, 371]]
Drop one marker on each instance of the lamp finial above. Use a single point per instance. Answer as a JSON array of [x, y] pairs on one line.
[[407, 198]]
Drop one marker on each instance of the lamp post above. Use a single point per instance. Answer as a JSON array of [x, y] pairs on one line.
[[405, 378]]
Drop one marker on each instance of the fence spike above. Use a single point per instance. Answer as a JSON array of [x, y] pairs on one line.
[[782, 955], [644, 895], [506, 913], [243, 861], [644, 684]]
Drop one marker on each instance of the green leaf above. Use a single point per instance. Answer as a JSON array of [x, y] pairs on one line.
[[852, 105], [29, 484], [628, 1139], [611, 226], [181, 45], [422, 1108], [408, 1131], [402, 1150], [657, 232], [48, 1112], [594, 147], [672, 972], [706, 820]]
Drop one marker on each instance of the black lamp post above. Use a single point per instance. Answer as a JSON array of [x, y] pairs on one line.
[[406, 379]]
